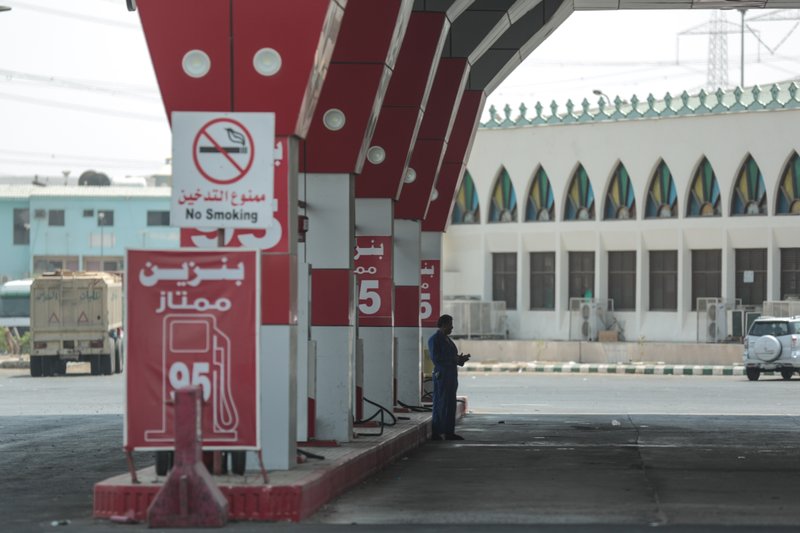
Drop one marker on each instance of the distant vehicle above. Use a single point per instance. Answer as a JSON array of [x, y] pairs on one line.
[[15, 304], [76, 316], [773, 343]]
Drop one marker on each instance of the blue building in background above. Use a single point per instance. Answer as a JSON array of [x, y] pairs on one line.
[[79, 227]]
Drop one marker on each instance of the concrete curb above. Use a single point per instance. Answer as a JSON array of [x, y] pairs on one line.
[[612, 368], [15, 362]]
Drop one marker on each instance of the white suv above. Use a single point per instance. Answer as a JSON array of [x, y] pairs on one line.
[[773, 343]]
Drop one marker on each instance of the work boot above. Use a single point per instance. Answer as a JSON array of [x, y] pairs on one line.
[[453, 436]]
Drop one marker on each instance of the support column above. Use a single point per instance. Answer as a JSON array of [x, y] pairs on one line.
[[330, 243], [279, 321], [241, 41], [376, 329], [406, 278], [430, 289], [305, 363]]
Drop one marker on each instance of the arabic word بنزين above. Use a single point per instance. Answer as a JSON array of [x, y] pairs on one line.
[[191, 274]]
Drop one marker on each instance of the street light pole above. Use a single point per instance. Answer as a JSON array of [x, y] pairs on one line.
[[598, 92]]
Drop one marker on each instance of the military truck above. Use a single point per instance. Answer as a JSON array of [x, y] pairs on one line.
[[76, 316]]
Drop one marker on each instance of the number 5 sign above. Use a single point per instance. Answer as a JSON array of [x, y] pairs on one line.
[[429, 292], [373, 268]]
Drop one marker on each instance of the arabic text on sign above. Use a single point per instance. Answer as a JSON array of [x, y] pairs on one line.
[[179, 301], [369, 250], [190, 274]]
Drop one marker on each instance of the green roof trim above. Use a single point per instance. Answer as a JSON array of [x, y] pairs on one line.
[[779, 96]]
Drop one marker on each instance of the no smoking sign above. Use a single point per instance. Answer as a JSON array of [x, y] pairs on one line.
[[223, 170], [223, 151]]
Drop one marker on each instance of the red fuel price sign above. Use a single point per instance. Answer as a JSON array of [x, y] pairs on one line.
[[429, 293], [373, 268], [192, 319]]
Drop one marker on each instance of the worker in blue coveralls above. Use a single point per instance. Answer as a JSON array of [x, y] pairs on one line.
[[446, 359]]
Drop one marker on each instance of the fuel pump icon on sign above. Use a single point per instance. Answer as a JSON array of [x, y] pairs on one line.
[[196, 352]]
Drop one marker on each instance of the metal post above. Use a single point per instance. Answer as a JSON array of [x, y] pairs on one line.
[[100, 218], [189, 497], [741, 60]]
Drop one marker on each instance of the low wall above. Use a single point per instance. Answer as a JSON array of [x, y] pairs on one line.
[[504, 351]]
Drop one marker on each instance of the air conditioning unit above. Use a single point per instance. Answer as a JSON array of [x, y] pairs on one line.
[[591, 320], [40, 213], [716, 322]]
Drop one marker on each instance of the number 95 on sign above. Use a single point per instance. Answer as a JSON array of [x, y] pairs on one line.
[[180, 375]]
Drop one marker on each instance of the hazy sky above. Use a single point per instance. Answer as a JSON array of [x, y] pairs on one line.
[[77, 90]]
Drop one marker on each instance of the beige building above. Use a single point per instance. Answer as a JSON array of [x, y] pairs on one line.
[[641, 208]]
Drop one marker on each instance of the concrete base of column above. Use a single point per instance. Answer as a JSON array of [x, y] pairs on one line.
[[278, 398], [335, 366], [378, 367], [303, 364], [409, 366]]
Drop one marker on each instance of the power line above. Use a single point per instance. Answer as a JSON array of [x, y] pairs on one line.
[[82, 85], [83, 18], [88, 162], [78, 107], [48, 155]]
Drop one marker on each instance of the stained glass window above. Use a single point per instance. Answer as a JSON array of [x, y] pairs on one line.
[[540, 206], [749, 194], [467, 209], [788, 202], [580, 197], [504, 200], [704, 198], [620, 199], [662, 200]]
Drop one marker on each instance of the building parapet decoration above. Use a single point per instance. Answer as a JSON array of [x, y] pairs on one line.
[[779, 96]]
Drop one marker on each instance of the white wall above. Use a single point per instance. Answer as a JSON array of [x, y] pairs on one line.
[[725, 139]]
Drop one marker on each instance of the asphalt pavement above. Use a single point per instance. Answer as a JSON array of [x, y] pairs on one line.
[[580, 453]]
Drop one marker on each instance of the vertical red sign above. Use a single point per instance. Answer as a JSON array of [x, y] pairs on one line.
[[430, 293], [273, 239], [373, 268], [192, 319]]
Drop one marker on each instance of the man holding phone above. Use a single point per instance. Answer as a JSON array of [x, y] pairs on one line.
[[446, 360]]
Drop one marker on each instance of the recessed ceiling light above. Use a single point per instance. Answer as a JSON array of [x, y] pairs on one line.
[[196, 63], [334, 119], [267, 61], [376, 155]]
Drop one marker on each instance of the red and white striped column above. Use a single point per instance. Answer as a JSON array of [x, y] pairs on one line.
[[254, 56], [329, 248], [374, 267], [407, 256]]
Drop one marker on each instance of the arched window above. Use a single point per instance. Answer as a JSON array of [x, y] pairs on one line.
[[540, 206], [788, 202], [662, 200], [620, 199], [580, 197], [466, 210], [704, 198], [504, 200], [749, 194]]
